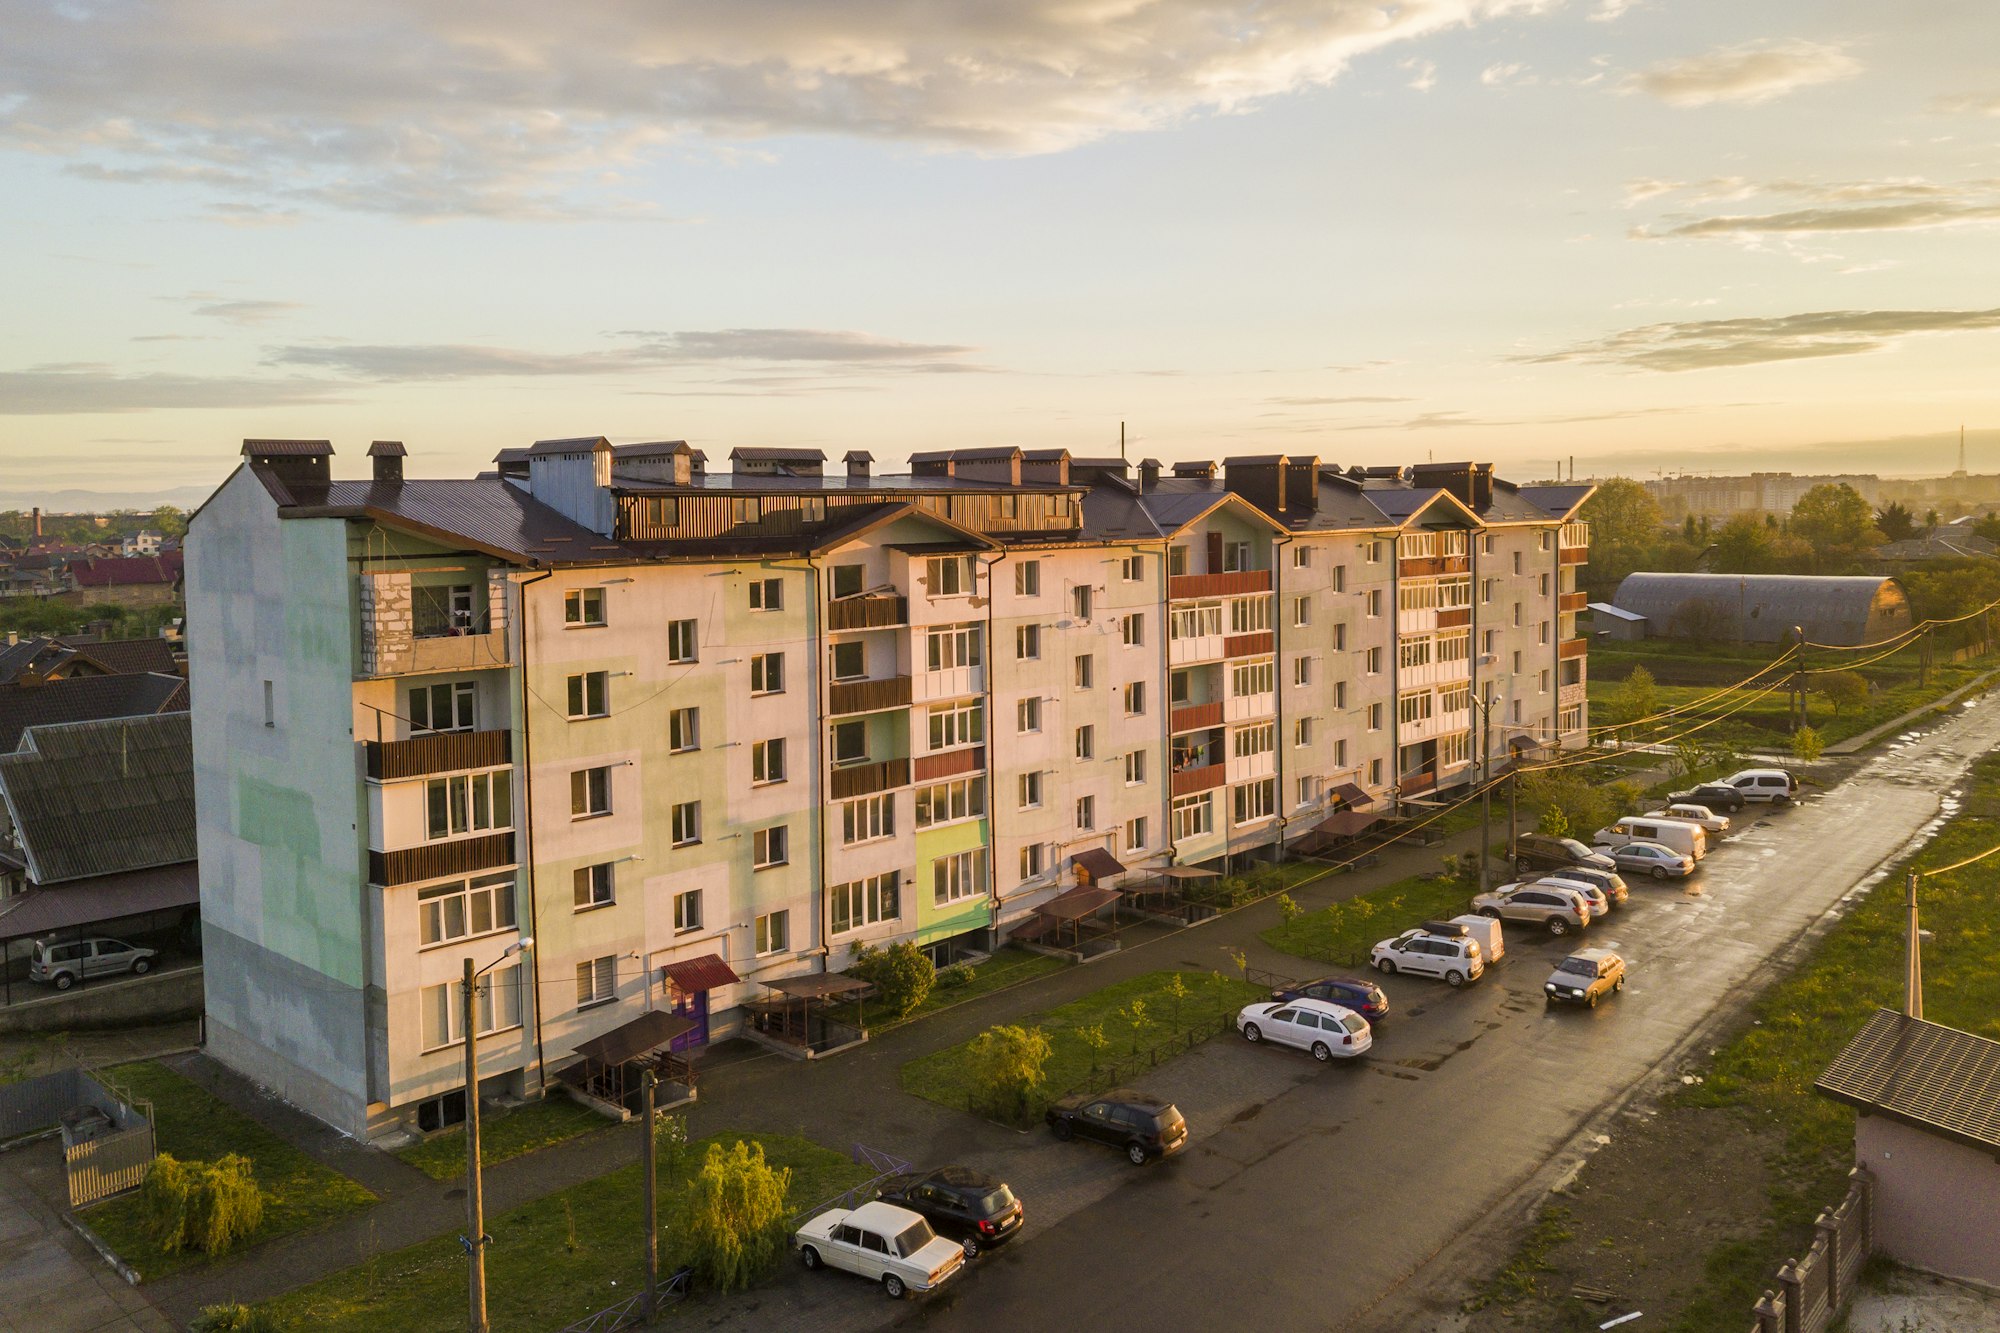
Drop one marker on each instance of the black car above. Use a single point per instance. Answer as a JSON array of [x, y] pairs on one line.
[[1715, 796], [967, 1206], [1363, 997], [1143, 1125], [1538, 851]]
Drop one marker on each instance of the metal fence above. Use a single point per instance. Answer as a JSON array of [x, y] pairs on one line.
[[1812, 1291], [107, 1135]]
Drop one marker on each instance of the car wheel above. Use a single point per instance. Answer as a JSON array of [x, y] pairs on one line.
[[971, 1248], [142, 967], [1618, 984], [1659, 872], [1591, 999], [1252, 1033], [1454, 979], [892, 1286], [810, 1258], [1523, 864], [1386, 967], [1490, 912], [1063, 1130], [1322, 1052], [64, 981], [1558, 926], [1135, 1153]]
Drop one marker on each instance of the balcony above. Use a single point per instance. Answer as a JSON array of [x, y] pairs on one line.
[[1195, 717], [437, 860], [1570, 648], [1569, 696], [438, 752], [1193, 648], [1259, 644], [866, 779], [948, 764], [868, 611], [1414, 784], [1575, 533], [1568, 602], [1242, 707], [1183, 587], [955, 683], [1454, 617], [1419, 566], [1205, 778], [868, 696], [1246, 768], [1573, 555]]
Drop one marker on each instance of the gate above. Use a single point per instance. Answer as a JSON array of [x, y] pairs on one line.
[[108, 1164]]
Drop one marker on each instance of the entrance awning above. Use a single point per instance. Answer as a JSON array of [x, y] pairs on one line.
[[1187, 872], [1346, 823], [1350, 794], [1077, 903], [816, 985], [1100, 863], [694, 975], [642, 1036], [1524, 742]]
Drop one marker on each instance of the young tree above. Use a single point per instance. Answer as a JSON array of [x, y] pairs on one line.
[[1006, 1063], [901, 974], [1743, 546], [1843, 689], [1637, 696], [1807, 745], [734, 1221]]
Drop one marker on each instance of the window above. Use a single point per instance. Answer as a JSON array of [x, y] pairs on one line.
[[1028, 715], [1251, 678], [956, 724], [1079, 600], [684, 729], [1412, 653], [1135, 767], [1302, 733], [661, 511], [847, 580], [745, 510], [1374, 772], [596, 981], [1177, 560], [445, 707], [774, 932], [865, 902], [583, 606], [1030, 785], [1340, 753], [767, 761], [1086, 814], [1302, 670], [1309, 790], [950, 575], [956, 877], [767, 594], [1235, 557], [270, 706], [1542, 584], [945, 802], [770, 846], [850, 742], [1135, 698], [1417, 545], [1374, 717], [687, 823], [1414, 707], [462, 908], [1135, 834], [589, 792], [1489, 641], [681, 641], [1254, 800], [496, 1006], [1372, 663], [1028, 579], [1086, 671], [1454, 699], [1248, 615], [867, 819], [948, 647], [1486, 589], [1517, 663], [1486, 544], [1517, 562], [1339, 578], [1086, 742], [1034, 859], [590, 886], [1371, 552], [589, 694], [1302, 611], [850, 661], [1455, 749], [1193, 817], [687, 911], [1133, 568], [1542, 632], [1133, 629], [1250, 742], [1302, 557], [1028, 642], [767, 672], [1180, 686], [1455, 593], [1452, 647], [1543, 684], [468, 803], [1571, 718], [1374, 602]]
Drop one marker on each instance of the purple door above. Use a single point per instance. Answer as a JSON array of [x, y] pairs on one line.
[[693, 1006]]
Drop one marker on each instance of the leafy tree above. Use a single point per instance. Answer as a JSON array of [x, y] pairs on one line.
[[1807, 745], [1835, 521], [1689, 532], [1744, 546], [169, 521], [1553, 822], [1843, 689], [901, 974], [734, 1223], [1288, 910], [1897, 522], [1948, 589], [1931, 519], [1637, 696], [1626, 530], [206, 1206], [1006, 1063], [1987, 527]]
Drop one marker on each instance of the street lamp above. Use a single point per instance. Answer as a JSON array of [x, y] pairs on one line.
[[475, 1205], [1485, 782]]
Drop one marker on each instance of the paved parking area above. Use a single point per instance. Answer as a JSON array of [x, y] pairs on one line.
[[50, 1277]]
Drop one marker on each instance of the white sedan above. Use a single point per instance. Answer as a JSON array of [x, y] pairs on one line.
[[1326, 1029], [883, 1243], [1716, 824]]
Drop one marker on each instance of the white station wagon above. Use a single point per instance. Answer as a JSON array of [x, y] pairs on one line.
[[882, 1243], [1330, 1031]]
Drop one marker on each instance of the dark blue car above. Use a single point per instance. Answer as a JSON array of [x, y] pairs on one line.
[[1363, 997]]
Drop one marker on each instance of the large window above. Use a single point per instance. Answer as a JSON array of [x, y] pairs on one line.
[[950, 575], [1455, 749], [850, 742], [589, 792], [952, 725], [957, 877], [1028, 578], [684, 729], [945, 802], [1415, 652], [774, 932], [1250, 678], [465, 908], [591, 886], [1193, 817], [850, 661], [867, 819], [767, 760], [590, 694], [865, 902], [1248, 742], [1202, 620], [446, 707], [1454, 699], [1455, 592], [496, 1006], [948, 647], [770, 846], [1414, 707], [469, 803], [683, 644], [847, 580], [1255, 800], [1453, 647], [1248, 615], [583, 606]]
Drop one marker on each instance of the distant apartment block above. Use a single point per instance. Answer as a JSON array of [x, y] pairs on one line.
[[699, 732]]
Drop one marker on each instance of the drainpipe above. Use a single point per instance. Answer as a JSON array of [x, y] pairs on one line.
[[991, 658], [1278, 690], [527, 806]]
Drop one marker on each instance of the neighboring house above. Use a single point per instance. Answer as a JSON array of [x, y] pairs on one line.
[[128, 581], [30, 703], [97, 833], [1929, 1133], [701, 734], [1764, 608], [146, 542], [1949, 543], [1615, 622], [66, 657]]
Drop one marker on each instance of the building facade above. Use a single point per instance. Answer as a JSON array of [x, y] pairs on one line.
[[695, 733]]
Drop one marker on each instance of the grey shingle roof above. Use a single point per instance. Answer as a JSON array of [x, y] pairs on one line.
[[486, 513], [1923, 1074], [95, 798], [126, 657], [84, 699]]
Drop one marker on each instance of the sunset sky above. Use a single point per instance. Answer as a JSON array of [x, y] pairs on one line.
[[1649, 234]]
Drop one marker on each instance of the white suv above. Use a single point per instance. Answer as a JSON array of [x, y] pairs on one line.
[[1432, 950], [1772, 785]]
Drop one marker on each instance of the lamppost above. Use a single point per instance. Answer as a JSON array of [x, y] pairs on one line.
[[475, 1205], [1485, 784]]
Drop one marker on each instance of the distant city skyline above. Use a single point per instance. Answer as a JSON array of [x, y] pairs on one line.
[[1652, 237]]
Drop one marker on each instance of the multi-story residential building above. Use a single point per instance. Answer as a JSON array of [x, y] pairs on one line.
[[696, 733]]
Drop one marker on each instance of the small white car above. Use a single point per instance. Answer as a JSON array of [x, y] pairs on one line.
[[1330, 1031], [1715, 824], [1433, 950], [883, 1243]]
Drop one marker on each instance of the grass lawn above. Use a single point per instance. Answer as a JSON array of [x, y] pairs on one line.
[[1074, 1063], [552, 1261], [1343, 933], [509, 1134], [1005, 968], [192, 1124]]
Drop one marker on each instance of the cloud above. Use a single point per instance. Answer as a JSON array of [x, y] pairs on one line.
[[1462, 420], [1334, 402], [1844, 206], [1610, 11], [1752, 73], [1505, 75], [1423, 73], [1714, 343], [246, 312], [1967, 104], [74, 389], [520, 109]]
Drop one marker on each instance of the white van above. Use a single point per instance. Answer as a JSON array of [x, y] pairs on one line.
[[1686, 838], [1486, 930], [1772, 785]]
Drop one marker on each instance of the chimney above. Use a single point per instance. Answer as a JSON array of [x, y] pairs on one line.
[[857, 461], [388, 456], [1149, 473], [293, 462], [1202, 471], [38, 520]]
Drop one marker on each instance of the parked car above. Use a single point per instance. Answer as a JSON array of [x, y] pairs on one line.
[[1594, 898], [883, 1243], [1330, 1031], [1710, 796], [970, 1207], [1650, 858], [1689, 813], [1434, 949], [1143, 1125], [1363, 997], [1688, 839], [63, 963], [1616, 893], [1556, 910], [1486, 930], [1772, 785], [1538, 851], [1584, 976]]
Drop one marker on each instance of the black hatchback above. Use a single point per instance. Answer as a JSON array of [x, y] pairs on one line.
[[1718, 796], [1143, 1126], [1363, 997], [964, 1205]]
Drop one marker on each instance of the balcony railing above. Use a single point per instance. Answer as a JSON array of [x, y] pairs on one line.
[[1569, 648], [1248, 645], [868, 696], [1190, 780], [1574, 555], [868, 611], [1419, 566], [1420, 781], [1454, 617], [1195, 717], [1233, 584], [948, 764], [867, 779], [438, 752], [1572, 601], [461, 856]]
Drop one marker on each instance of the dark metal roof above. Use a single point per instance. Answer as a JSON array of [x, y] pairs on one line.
[[94, 798], [816, 985], [777, 455], [1078, 903], [1923, 1074], [582, 444], [1100, 863], [1352, 794], [691, 976], [642, 1036], [481, 513], [857, 456], [126, 657], [656, 449], [83, 902], [388, 449], [84, 699], [40, 655], [1763, 608], [1557, 501], [287, 448]]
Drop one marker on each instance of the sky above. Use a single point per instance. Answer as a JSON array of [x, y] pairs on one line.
[[1646, 235]]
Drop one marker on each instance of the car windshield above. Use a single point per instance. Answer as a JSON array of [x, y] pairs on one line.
[[1575, 848], [1582, 967], [913, 1238], [997, 1201]]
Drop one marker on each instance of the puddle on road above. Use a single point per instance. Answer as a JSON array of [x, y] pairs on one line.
[[1247, 1114], [1419, 1062]]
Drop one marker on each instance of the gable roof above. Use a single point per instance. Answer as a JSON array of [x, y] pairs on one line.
[[1558, 501], [127, 657], [95, 798], [478, 513], [124, 571], [84, 699], [39, 655], [1925, 1075]]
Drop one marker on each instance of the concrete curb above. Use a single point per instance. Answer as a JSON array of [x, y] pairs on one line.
[[104, 1252]]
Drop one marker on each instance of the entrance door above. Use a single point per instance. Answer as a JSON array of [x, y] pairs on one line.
[[693, 1007]]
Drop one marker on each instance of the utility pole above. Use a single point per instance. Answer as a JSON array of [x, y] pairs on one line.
[[475, 1204], [647, 1093], [1913, 968], [1513, 808], [1799, 680], [1485, 791]]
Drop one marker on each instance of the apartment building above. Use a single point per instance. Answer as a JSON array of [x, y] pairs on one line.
[[698, 733]]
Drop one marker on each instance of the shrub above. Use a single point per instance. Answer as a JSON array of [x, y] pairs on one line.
[[901, 975], [1006, 1063], [1843, 689], [1554, 822], [956, 976], [1288, 910], [232, 1318], [1807, 745], [734, 1224], [205, 1206]]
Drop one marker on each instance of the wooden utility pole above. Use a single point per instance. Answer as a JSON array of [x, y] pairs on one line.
[[1913, 959], [475, 1203]]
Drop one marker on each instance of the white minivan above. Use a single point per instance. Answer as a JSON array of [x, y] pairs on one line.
[[1687, 838], [1773, 785]]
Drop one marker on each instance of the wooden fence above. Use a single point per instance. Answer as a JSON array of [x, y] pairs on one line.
[[109, 1164], [1812, 1291], [107, 1135]]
